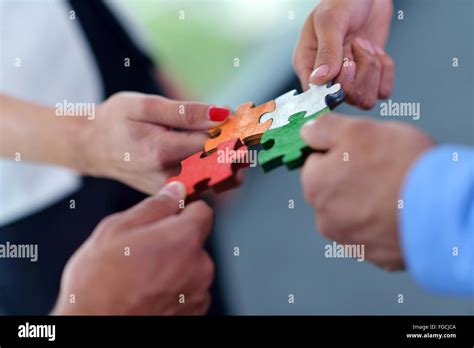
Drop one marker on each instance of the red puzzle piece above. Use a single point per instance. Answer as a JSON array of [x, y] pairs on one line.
[[217, 170]]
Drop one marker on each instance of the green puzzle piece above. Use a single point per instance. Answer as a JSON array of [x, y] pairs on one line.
[[284, 145]]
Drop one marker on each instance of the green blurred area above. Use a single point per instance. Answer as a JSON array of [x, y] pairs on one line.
[[197, 55], [197, 41]]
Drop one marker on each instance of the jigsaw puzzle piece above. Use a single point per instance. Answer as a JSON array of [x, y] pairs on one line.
[[314, 100], [216, 171], [244, 124], [280, 115], [284, 145]]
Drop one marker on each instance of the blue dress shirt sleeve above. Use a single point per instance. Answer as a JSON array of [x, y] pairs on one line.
[[437, 220]]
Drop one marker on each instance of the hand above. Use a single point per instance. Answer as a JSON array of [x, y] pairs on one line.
[[133, 138], [355, 186], [165, 259], [344, 40]]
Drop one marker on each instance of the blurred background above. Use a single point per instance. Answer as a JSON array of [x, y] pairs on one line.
[[230, 52]]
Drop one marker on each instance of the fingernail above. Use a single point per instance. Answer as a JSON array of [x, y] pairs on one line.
[[351, 70], [320, 71], [217, 114], [379, 50], [369, 46], [361, 42], [307, 127], [174, 189]]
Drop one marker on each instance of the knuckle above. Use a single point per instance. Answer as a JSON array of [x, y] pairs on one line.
[[362, 127], [357, 97], [120, 96], [161, 157], [330, 16], [149, 104], [109, 224], [385, 92], [119, 99], [377, 63], [208, 269], [325, 53], [374, 62], [331, 13], [326, 15], [368, 102], [190, 114], [389, 63], [324, 228], [308, 181]]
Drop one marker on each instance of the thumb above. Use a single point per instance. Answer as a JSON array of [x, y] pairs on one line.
[[324, 132], [330, 40], [172, 113], [180, 114], [166, 203]]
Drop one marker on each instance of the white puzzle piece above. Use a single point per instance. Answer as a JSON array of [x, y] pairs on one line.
[[311, 101]]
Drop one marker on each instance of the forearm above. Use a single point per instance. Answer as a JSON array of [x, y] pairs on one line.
[[437, 220], [31, 132]]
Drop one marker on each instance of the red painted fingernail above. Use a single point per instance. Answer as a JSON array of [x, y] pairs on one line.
[[217, 114]]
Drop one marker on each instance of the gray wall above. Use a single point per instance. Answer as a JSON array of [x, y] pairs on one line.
[[280, 251]]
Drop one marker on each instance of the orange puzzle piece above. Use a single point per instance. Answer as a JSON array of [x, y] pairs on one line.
[[243, 124]]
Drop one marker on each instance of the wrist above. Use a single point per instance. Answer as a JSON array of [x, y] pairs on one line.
[[83, 148]]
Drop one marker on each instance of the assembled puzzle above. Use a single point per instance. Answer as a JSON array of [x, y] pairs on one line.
[[276, 125]]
